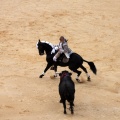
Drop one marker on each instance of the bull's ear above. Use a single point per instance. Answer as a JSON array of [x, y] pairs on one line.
[[39, 40], [70, 74], [60, 74]]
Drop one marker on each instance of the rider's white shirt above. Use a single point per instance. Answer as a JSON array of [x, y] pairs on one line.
[[60, 47]]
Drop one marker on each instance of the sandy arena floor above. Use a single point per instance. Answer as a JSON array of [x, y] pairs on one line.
[[92, 28]]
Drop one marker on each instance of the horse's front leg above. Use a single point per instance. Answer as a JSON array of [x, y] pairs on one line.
[[47, 67], [55, 69]]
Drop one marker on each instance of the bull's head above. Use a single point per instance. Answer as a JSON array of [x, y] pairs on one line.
[[64, 73]]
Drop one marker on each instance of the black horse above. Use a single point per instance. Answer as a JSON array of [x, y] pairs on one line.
[[74, 62]]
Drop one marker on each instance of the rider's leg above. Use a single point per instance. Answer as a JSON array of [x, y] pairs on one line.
[[55, 64], [56, 56], [67, 55]]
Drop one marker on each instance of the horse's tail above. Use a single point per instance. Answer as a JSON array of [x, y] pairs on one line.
[[92, 66]]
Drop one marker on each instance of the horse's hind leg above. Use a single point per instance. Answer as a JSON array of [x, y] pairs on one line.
[[85, 70], [78, 73]]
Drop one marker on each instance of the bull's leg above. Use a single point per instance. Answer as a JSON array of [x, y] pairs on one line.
[[64, 105], [71, 107], [47, 67], [85, 70], [60, 100]]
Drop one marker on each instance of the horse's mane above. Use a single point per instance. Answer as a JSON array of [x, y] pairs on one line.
[[46, 42]]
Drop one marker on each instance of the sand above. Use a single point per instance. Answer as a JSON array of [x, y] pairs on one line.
[[92, 28]]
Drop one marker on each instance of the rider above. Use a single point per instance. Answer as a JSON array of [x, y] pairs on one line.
[[63, 48]]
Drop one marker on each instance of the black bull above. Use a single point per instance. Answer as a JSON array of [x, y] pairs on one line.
[[66, 90]]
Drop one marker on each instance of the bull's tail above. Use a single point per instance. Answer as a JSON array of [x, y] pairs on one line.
[[92, 66]]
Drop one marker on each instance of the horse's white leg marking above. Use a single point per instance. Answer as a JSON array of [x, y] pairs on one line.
[[88, 75], [43, 73], [55, 74]]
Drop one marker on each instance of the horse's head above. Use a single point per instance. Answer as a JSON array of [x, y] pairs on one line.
[[40, 47], [44, 46]]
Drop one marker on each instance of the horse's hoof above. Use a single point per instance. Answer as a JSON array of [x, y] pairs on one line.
[[41, 76], [72, 112], [79, 81], [65, 112], [89, 79]]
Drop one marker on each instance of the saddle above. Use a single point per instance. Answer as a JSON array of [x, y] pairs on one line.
[[63, 58]]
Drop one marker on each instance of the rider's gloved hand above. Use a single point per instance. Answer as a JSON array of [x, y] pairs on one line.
[[53, 51]]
